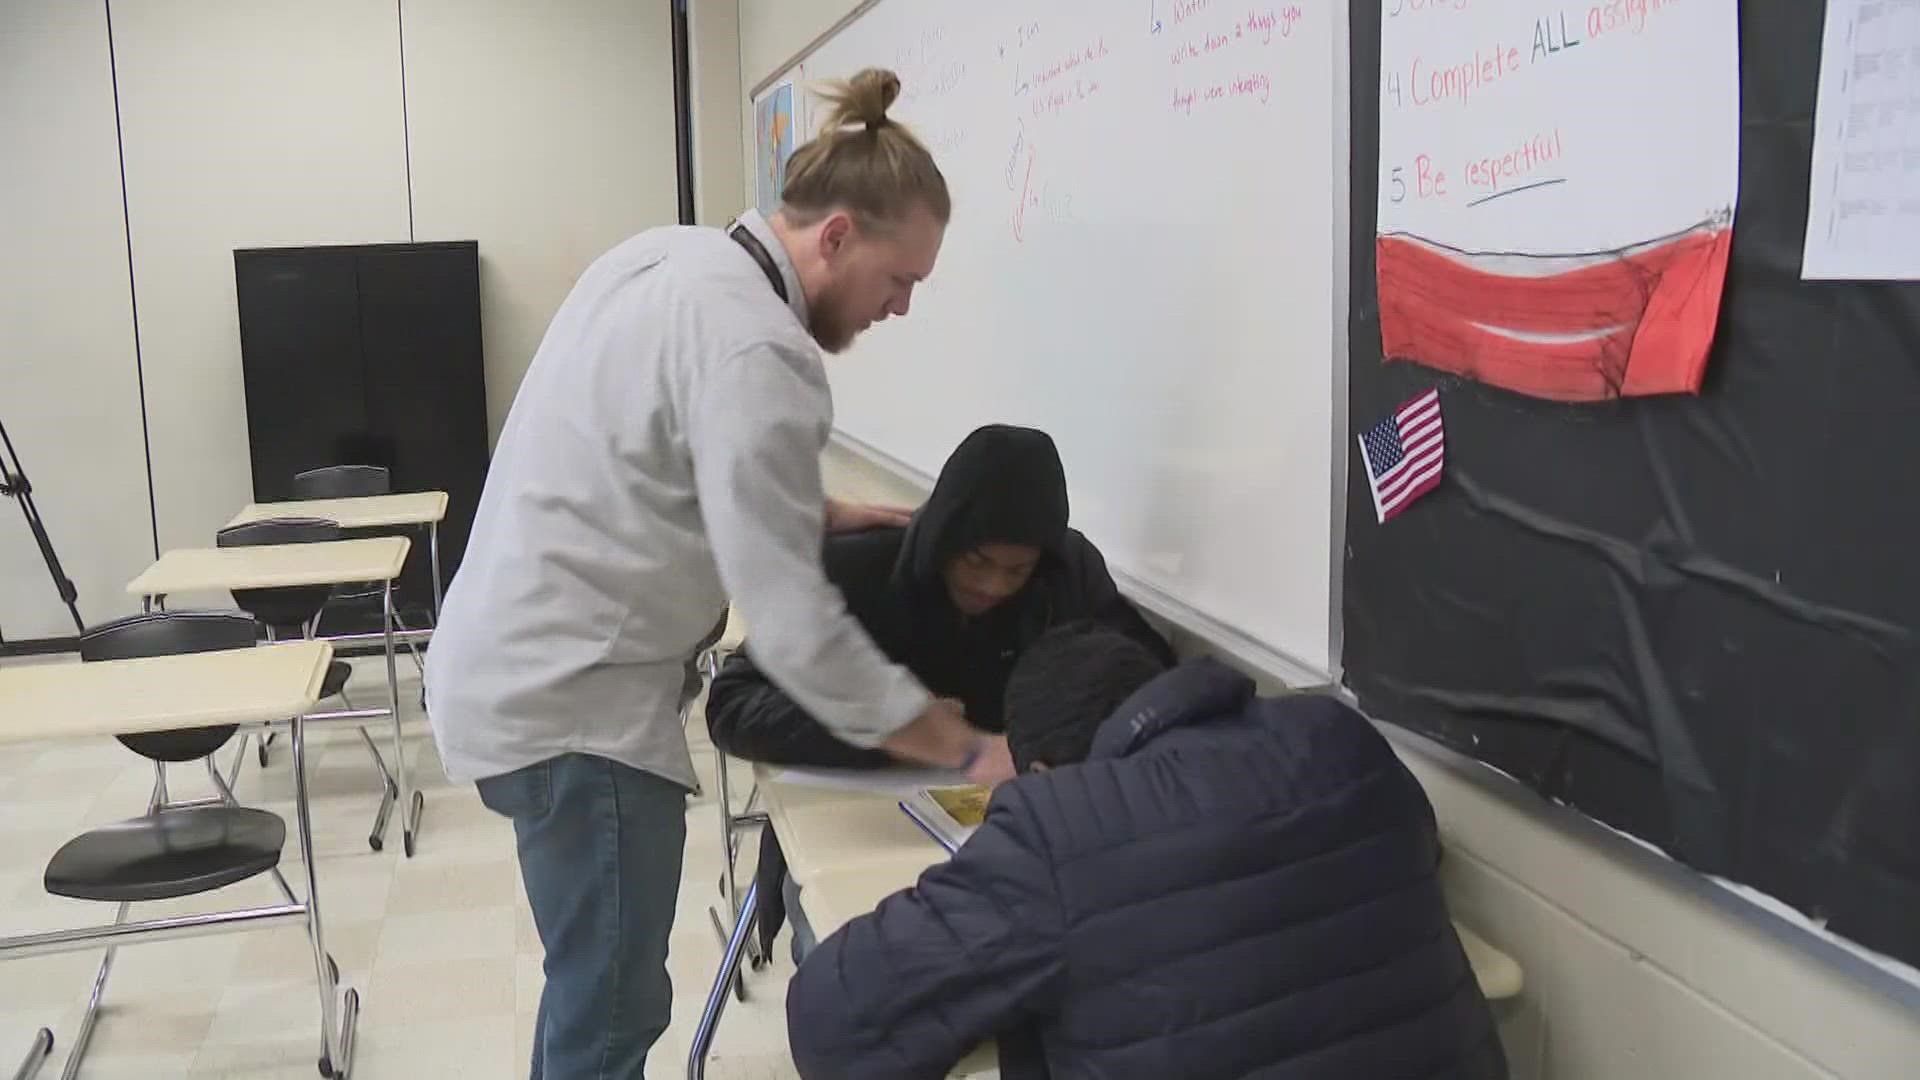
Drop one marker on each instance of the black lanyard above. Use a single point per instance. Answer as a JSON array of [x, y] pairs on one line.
[[758, 250]]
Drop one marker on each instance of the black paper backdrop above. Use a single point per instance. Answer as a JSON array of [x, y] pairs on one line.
[[1693, 619]]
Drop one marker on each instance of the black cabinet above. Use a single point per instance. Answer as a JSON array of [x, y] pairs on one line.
[[368, 355]]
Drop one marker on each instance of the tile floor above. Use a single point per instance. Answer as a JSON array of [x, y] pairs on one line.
[[441, 947]]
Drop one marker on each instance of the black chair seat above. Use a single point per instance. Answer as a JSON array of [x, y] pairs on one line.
[[338, 672], [170, 854]]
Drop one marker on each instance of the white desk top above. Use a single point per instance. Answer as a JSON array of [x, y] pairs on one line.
[[823, 829], [69, 699], [848, 851], [363, 512], [268, 566]]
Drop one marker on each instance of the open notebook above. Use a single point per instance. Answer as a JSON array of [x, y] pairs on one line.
[[948, 814]]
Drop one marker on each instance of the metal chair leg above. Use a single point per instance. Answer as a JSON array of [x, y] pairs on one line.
[[336, 1042], [415, 799], [224, 788], [240, 756], [720, 931], [389, 794], [717, 996], [37, 1055], [156, 802], [727, 846], [84, 1036], [730, 848], [418, 663]]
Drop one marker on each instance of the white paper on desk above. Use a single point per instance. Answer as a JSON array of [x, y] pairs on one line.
[[1863, 205], [893, 782]]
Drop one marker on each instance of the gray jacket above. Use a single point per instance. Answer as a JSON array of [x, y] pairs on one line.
[[662, 455]]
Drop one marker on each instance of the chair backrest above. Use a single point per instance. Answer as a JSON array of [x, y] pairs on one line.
[[171, 633], [279, 530], [342, 482], [347, 482], [289, 608]]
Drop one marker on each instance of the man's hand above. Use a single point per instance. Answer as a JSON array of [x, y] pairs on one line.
[[994, 765], [942, 738], [852, 517]]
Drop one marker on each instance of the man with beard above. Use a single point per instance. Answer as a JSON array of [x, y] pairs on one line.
[[662, 455]]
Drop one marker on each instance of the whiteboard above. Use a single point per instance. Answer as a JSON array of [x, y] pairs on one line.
[[1147, 260]]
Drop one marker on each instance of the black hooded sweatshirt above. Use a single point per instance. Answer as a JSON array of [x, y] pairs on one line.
[[1001, 485]]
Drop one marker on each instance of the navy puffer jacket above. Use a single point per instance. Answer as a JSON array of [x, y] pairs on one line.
[[1229, 886]]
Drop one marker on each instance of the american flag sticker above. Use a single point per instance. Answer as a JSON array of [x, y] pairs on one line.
[[1404, 454]]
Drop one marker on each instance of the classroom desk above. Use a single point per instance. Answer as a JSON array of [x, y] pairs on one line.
[[121, 697], [417, 509], [269, 566], [849, 850], [332, 562], [823, 829]]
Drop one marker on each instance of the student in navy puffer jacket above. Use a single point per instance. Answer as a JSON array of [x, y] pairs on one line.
[[1206, 884]]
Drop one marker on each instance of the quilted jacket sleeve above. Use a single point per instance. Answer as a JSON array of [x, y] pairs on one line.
[[974, 949]]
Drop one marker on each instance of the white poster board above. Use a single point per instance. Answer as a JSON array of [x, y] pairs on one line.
[[1556, 183], [1863, 206]]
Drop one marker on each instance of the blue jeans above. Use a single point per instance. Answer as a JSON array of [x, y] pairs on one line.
[[600, 846]]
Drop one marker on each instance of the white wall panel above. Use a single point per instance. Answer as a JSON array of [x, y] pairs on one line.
[[69, 389], [545, 132], [247, 123]]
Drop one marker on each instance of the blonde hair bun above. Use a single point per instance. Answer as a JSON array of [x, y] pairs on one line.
[[862, 101], [863, 161]]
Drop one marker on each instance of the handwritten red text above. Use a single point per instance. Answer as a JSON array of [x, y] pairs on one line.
[[1091, 54], [1063, 96], [1396, 8], [1270, 22], [1254, 86], [1020, 208], [1187, 9], [1629, 15], [1458, 82], [1498, 170], [1259, 27]]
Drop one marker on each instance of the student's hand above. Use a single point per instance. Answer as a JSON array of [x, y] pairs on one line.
[[994, 765], [852, 517]]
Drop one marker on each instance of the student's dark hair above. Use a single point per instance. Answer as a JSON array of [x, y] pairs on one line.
[[1066, 685], [863, 161]]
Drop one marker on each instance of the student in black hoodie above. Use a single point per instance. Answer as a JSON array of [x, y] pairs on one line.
[[985, 568]]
